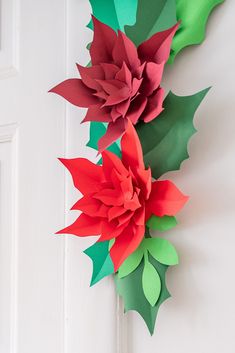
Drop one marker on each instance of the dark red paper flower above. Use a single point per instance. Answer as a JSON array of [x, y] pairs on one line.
[[119, 197], [122, 83]]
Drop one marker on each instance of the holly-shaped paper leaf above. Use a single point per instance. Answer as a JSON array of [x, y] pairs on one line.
[[161, 223], [152, 17], [114, 13], [164, 140], [131, 290], [194, 16], [102, 263]]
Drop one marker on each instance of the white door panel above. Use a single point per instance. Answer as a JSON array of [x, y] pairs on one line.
[[46, 304]]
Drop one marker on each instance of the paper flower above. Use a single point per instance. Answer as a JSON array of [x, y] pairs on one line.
[[122, 83], [119, 197]]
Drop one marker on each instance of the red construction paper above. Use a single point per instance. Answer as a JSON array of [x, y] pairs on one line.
[[119, 197], [122, 83]]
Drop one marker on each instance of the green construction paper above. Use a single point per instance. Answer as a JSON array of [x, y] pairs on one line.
[[164, 140], [152, 17], [194, 16], [111, 242], [131, 290], [151, 282], [130, 264], [97, 130], [114, 13], [102, 263], [162, 251], [161, 223]]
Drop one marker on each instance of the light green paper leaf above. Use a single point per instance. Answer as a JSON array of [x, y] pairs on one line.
[[194, 16], [130, 264], [152, 17], [151, 283], [131, 290], [114, 13], [161, 223], [164, 140], [111, 243], [96, 131], [162, 251], [102, 263]]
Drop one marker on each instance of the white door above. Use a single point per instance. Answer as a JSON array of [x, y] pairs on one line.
[[46, 305]]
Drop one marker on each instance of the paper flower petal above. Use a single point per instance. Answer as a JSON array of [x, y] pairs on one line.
[[125, 51], [157, 48], [75, 92], [125, 244], [103, 43], [113, 132], [83, 226], [86, 175], [154, 106], [165, 199], [132, 154]]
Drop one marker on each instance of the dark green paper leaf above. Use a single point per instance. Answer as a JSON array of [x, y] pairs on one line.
[[114, 13], [164, 140], [131, 290], [102, 263], [194, 16], [152, 17], [161, 223]]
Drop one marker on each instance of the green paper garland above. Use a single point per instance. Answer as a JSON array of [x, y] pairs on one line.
[[164, 152], [141, 278], [171, 132]]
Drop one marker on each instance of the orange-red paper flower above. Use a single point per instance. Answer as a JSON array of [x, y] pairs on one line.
[[119, 197], [122, 83]]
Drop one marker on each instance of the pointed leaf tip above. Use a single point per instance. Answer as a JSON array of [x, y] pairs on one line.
[[102, 263], [131, 290]]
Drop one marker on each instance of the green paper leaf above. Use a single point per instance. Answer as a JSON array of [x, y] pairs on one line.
[[152, 17], [111, 243], [114, 13], [131, 290], [164, 140], [161, 223], [96, 131], [194, 16], [162, 251], [130, 264], [102, 263], [151, 283]]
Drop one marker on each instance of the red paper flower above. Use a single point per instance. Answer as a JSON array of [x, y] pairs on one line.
[[119, 197], [122, 83]]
